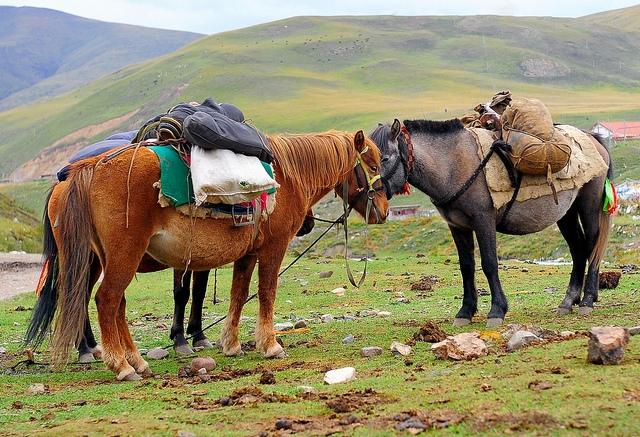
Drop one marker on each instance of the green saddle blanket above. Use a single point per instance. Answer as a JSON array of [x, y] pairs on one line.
[[175, 176]]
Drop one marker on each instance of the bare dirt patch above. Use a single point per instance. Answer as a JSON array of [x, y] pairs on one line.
[[19, 273]]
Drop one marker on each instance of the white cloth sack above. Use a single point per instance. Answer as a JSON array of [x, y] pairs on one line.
[[223, 176]]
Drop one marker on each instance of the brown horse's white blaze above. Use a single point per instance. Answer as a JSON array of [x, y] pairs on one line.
[[109, 209]]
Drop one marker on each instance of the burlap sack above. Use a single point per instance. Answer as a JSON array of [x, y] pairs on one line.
[[528, 127]]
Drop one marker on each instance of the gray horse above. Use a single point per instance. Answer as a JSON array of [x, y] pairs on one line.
[[440, 158]]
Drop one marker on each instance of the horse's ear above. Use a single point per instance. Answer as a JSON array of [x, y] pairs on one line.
[[358, 141], [395, 129]]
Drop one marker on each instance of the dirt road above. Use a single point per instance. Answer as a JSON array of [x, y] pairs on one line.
[[19, 273]]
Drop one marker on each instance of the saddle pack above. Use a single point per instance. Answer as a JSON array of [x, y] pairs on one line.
[[536, 146]]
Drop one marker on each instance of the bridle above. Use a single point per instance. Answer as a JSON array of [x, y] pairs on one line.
[[370, 192], [406, 158]]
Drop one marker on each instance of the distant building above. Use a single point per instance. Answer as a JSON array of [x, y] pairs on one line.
[[617, 130], [403, 212]]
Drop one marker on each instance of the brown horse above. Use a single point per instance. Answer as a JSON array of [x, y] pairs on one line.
[[108, 210], [441, 161]]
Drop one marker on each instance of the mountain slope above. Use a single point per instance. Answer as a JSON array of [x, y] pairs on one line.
[[309, 74], [45, 52]]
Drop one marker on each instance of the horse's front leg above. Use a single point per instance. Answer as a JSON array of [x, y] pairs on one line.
[[464, 244], [486, 235], [242, 271], [267, 286]]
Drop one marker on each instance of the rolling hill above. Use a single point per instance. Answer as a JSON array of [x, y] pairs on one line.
[[309, 74], [46, 53]]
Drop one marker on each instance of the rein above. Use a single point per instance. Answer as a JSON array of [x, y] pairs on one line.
[[348, 206]]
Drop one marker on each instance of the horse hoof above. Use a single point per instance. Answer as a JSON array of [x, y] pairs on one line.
[[86, 358], [561, 311], [97, 352], [461, 322], [583, 311], [132, 377], [494, 321], [204, 344], [281, 354], [183, 349], [128, 374]]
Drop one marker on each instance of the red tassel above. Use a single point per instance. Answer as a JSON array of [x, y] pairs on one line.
[[406, 189]]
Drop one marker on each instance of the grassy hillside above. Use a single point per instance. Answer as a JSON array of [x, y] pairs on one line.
[[46, 52], [315, 73]]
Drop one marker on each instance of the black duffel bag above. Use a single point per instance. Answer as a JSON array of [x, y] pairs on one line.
[[211, 130]]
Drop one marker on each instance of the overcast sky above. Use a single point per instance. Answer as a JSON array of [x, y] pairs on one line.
[[214, 16]]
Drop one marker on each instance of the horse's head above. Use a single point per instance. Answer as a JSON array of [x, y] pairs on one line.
[[363, 189], [397, 157]]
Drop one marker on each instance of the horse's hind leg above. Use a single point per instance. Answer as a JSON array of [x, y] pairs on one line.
[[120, 353], [572, 232], [242, 271], [198, 291]]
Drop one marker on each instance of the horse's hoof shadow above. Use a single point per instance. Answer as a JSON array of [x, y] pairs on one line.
[[461, 322], [562, 311], [583, 311]]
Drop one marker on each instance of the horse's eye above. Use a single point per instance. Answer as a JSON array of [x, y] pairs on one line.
[[374, 168], [384, 159]]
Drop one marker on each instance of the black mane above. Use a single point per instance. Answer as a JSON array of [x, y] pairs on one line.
[[434, 127]]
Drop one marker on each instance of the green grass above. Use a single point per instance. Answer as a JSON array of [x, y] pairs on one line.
[[492, 395]]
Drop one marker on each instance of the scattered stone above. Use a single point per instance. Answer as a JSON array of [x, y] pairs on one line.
[[338, 291], [371, 351], [398, 294], [3, 350], [267, 377], [300, 324], [634, 331], [400, 349], [284, 424], [337, 376], [186, 434], [465, 346], [326, 318], [384, 313], [157, 353], [325, 274], [348, 339], [306, 388], [412, 425], [349, 318], [607, 344], [525, 270], [521, 339], [285, 326], [608, 280], [206, 363], [38, 389]]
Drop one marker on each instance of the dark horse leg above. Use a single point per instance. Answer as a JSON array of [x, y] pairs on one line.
[[181, 281], [88, 349], [464, 244], [572, 232], [586, 229], [463, 239]]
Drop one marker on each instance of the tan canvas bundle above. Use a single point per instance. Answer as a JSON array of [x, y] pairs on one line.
[[537, 148]]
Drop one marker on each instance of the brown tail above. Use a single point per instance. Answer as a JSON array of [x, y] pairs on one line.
[[75, 256], [605, 221]]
